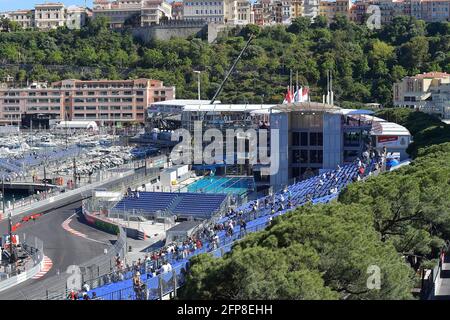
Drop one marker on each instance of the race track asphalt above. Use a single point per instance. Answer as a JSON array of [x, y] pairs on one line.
[[62, 247]]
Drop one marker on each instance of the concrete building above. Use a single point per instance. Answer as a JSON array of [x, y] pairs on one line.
[[76, 17], [428, 92], [103, 101], [48, 16], [435, 10], [316, 136], [209, 11], [238, 12], [414, 91], [231, 12], [116, 11], [308, 136], [328, 9], [296, 8], [439, 104], [358, 11], [268, 12], [148, 12], [153, 11], [177, 10], [343, 7], [25, 18], [311, 8]]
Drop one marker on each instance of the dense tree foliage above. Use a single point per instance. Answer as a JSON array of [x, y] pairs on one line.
[[365, 63], [315, 252]]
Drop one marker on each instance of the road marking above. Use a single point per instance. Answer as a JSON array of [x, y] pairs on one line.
[[47, 264], [65, 226]]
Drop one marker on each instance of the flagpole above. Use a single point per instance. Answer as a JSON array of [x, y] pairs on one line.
[[296, 89], [290, 81]]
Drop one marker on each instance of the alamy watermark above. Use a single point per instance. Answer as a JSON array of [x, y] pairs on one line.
[[374, 20], [374, 280], [236, 147]]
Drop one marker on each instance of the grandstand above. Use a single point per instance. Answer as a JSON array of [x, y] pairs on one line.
[[315, 190], [183, 205]]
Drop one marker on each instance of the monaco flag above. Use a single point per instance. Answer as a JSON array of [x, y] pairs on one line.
[[288, 97], [305, 94], [301, 95]]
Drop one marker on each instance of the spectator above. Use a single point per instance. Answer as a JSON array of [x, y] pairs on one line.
[[86, 287], [72, 295], [243, 226], [166, 267]]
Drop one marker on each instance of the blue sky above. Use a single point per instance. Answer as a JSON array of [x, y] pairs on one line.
[[6, 5]]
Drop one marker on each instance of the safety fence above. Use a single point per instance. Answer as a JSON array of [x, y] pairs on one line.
[[431, 285], [160, 285], [29, 254], [86, 272], [149, 167]]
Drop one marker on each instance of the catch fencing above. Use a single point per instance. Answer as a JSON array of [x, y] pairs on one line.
[[88, 271], [159, 286], [31, 251]]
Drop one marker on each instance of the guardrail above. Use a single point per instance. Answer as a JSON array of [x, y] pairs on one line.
[[168, 283], [98, 178], [34, 247], [432, 284], [90, 270]]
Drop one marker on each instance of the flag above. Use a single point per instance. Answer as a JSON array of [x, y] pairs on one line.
[[297, 97], [288, 97], [305, 94]]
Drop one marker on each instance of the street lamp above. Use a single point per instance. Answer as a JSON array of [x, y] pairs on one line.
[[198, 83]]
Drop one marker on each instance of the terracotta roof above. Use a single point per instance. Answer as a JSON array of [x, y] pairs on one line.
[[428, 75]]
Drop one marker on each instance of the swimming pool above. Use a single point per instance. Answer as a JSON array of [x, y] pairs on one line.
[[230, 185]]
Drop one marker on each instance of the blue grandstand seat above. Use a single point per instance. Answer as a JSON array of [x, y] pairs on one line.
[[298, 193]]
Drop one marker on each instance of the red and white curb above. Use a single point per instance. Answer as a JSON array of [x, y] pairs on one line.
[[46, 265], [65, 226]]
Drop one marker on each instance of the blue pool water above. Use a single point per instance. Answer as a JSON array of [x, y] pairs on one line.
[[230, 185]]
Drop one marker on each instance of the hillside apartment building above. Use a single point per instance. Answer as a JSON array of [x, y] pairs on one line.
[[107, 102]]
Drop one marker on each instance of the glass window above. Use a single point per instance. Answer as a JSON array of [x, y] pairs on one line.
[[316, 156], [295, 138], [295, 156], [316, 139], [303, 138]]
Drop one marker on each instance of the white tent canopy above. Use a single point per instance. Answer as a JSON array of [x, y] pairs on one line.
[[87, 125]]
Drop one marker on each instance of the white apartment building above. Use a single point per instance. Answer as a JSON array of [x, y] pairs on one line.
[[153, 10], [439, 104], [311, 8], [286, 11], [118, 11], [435, 10], [76, 17], [234, 12], [23, 17], [428, 92], [238, 12], [48, 16], [210, 11]]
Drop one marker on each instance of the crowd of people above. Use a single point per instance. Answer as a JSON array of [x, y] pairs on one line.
[[207, 237]]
